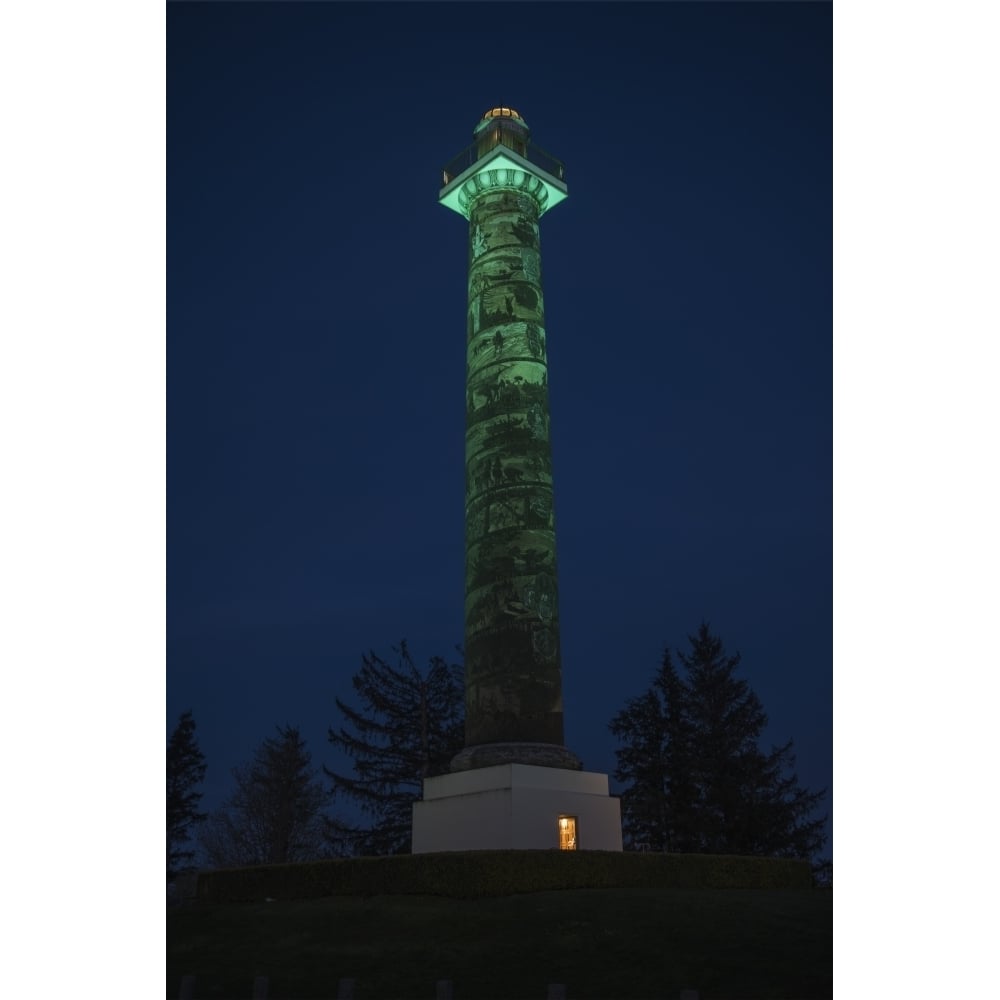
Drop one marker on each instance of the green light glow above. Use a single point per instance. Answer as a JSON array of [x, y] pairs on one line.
[[506, 169], [513, 666], [512, 661]]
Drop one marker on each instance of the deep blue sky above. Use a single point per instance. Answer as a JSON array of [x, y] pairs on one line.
[[316, 349]]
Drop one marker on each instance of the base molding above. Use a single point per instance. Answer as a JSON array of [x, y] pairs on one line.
[[534, 754]]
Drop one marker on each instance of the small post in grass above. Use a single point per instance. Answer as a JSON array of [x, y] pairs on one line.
[[187, 988], [260, 988], [557, 991], [345, 989], [443, 990]]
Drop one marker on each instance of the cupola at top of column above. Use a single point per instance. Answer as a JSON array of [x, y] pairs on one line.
[[502, 155], [501, 127]]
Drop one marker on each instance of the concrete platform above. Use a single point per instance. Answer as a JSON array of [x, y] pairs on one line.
[[516, 806]]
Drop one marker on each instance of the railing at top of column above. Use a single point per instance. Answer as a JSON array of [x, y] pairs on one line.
[[532, 153]]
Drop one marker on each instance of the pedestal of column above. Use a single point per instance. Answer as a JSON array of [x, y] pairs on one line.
[[517, 807]]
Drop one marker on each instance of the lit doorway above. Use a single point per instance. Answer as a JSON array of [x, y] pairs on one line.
[[567, 833]]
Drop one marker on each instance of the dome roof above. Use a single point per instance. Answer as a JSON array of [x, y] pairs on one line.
[[502, 113], [506, 119]]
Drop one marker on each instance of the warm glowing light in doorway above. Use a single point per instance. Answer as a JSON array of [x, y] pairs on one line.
[[567, 833]]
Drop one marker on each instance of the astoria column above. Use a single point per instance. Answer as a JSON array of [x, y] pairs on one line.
[[503, 184], [515, 785]]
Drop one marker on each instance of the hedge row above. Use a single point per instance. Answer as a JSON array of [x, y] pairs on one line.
[[474, 874]]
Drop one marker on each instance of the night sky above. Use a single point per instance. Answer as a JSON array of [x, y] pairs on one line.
[[316, 298]]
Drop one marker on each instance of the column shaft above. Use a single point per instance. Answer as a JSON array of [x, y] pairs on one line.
[[512, 661]]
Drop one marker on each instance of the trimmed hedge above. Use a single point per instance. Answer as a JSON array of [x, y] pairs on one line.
[[474, 874]]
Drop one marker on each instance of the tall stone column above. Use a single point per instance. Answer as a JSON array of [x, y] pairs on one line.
[[513, 672], [515, 785]]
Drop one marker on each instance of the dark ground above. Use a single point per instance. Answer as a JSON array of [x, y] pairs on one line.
[[615, 944]]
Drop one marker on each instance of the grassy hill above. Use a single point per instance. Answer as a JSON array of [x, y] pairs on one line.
[[603, 944]]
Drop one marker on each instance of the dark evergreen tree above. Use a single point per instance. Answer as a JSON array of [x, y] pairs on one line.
[[822, 872], [275, 815], [185, 772], [408, 727], [660, 796], [642, 767], [696, 778], [683, 794]]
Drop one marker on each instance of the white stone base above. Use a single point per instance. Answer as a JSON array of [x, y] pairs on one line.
[[515, 806]]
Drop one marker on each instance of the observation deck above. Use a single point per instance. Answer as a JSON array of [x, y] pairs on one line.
[[501, 142]]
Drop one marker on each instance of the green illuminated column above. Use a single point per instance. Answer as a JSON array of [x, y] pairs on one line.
[[513, 673]]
